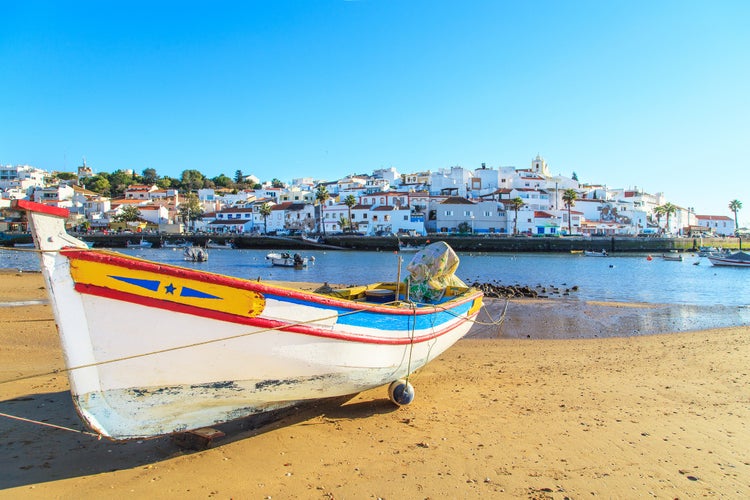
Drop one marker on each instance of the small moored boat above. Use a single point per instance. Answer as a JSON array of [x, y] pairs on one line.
[[141, 244], [735, 259], [195, 254], [592, 253], [672, 256], [218, 246], [407, 247], [177, 244], [220, 348], [286, 259]]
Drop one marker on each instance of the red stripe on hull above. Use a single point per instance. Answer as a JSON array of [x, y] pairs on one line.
[[256, 322]]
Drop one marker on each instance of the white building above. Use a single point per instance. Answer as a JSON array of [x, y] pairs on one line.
[[719, 224], [17, 178], [453, 181]]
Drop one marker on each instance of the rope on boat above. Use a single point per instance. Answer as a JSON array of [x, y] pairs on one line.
[[37, 250], [411, 340], [47, 424], [413, 305]]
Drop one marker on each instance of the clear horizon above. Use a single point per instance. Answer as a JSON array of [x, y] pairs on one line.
[[628, 94]]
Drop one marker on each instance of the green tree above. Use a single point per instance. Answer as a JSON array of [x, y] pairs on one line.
[[119, 180], [321, 196], [99, 184], [350, 201], [223, 181], [735, 206], [149, 176], [515, 204], [569, 197], [265, 212], [239, 177], [129, 213], [575, 177], [190, 209], [464, 228], [167, 182], [66, 176], [191, 180], [276, 183]]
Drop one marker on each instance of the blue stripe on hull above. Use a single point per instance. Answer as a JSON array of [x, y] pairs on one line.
[[386, 322]]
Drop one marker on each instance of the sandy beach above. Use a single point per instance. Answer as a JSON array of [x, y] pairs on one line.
[[502, 414]]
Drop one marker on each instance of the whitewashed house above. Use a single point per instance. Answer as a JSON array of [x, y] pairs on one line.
[[719, 224]]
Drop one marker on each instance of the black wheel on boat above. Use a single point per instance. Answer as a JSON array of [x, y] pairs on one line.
[[401, 392]]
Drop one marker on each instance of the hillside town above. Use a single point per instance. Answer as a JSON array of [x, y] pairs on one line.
[[501, 201]]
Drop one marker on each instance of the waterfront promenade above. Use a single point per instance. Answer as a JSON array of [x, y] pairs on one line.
[[460, 243]]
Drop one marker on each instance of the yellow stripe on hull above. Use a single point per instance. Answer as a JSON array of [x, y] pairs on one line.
[[152, 285]]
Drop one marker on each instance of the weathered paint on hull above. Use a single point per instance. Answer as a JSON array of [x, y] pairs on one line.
[[214, 381]]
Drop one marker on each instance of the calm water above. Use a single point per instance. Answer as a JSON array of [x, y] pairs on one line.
[[627, 278]]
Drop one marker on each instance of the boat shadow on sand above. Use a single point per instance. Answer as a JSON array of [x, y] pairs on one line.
[[33, 454]]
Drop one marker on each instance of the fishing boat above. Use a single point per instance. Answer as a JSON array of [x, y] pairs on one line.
[[177, 244], [407, 247], [154, 349], [311, 239], [141, 244], [672, 257], [195, 254], [213, 244], [286, 259], [734, 259], [593, 253]]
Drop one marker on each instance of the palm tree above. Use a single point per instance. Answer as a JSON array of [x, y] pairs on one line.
[[321, 195], [350, 201], [569, 197], [658, 212], [515, 204], [265, 211], [735, 206], [669, 209]]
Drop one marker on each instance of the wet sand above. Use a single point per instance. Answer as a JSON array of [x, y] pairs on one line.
[[510, 412]]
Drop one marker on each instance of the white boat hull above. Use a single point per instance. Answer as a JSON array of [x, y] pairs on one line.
[[212, 381], [736, 259]]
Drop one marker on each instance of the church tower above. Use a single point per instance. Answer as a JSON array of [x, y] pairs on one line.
[[539, 166]]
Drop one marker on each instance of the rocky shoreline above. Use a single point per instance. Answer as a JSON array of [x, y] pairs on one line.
[[494, 291]]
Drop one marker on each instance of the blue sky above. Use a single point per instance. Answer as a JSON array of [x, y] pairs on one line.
[[652, 94]]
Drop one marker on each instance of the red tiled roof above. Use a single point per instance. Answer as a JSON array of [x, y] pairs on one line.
[[542, 215], [713, 217], [457, 200]]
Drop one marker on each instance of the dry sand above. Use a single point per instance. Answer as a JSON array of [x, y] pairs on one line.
[[661, 416]]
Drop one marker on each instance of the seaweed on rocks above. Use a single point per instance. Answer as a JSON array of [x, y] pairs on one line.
[[494, 291]]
